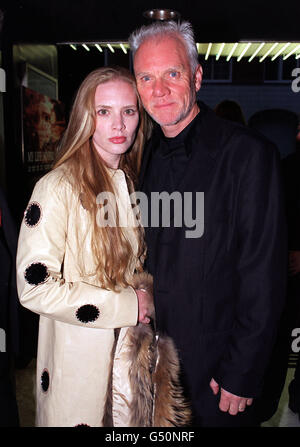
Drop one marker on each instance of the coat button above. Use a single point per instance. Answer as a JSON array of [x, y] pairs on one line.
[[32, 214], [87, 313], [45, 380], [36, 273]]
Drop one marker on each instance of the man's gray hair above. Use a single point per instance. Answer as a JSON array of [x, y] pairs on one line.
[[183, 30]]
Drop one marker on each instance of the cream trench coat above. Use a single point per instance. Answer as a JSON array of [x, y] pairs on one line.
[[77, 316]]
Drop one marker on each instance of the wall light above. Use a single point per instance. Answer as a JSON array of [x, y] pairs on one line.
[[73, 46], [98, 47], [86, 47]]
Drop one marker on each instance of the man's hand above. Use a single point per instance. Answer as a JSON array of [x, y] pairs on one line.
[[146, 307], [228, 401]]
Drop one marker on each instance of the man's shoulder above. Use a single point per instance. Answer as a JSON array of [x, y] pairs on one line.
[[231, 136]]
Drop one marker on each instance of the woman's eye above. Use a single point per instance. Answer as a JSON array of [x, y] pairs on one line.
[[102, 112], [130, 111]]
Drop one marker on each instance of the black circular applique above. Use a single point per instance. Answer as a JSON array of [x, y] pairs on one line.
[[87, 313], [36, 273], [82, 426], [32, 214], [45, 380]]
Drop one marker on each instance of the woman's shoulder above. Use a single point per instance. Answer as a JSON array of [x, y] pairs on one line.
[[55, 180]]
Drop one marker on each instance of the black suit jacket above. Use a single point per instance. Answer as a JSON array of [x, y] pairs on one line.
[[220, 296]]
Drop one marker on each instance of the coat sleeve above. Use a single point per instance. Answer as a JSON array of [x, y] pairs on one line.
[[261, 270], [40, 257]]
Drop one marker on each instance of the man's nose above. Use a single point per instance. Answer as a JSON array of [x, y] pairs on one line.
[[160, 87]]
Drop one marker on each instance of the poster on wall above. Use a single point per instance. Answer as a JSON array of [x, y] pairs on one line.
[[43, 125]]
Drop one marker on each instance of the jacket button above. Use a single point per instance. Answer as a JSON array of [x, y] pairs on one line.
[[45, 380], [36, 273], [87, 313], [32, 214]]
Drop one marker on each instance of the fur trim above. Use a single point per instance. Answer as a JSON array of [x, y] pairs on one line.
[[140, 377], [143, 281], [154, 378], [171, 407], [153, 375]]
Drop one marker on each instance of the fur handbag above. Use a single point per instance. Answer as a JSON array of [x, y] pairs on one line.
[[153, 377]]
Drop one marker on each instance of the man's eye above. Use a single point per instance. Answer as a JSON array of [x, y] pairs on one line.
[[173, 74], [146, 78]]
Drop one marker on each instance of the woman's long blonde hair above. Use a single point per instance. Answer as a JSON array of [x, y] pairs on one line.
[[89, 175]]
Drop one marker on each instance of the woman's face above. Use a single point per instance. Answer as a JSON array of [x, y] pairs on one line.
[[117, 118]]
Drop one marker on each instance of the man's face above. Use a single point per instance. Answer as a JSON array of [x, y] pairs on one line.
[[165, 83]]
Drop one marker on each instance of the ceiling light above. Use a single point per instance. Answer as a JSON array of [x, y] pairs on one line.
[[73, 46], [268, 52], [110, 47], [208, 51], [98, 47], [244, 51], [291, 52], [256, 51], [280, 51], [161, 14], [220, 51], [232, 51], [86, 47], [123, 48]]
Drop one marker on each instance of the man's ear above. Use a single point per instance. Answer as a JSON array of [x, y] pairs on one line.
[[198, 77]]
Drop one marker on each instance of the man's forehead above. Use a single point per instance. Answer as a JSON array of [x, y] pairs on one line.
[[163, 51], [152, 43]]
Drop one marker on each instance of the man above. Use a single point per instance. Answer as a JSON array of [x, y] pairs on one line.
[[9, 316], [219, 295]]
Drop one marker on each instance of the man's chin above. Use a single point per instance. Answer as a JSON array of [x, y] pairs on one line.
[[165, 121]]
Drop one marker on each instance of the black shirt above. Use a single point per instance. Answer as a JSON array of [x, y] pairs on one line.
[[168, 164]]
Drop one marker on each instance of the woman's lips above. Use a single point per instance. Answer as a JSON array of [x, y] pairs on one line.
[[117, 140]]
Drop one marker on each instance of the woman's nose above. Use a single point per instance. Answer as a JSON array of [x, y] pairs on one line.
[[118, 122]]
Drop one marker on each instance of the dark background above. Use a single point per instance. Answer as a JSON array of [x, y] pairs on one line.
[[58, 20]]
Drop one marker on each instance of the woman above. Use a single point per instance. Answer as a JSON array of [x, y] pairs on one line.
[[75, 272]]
